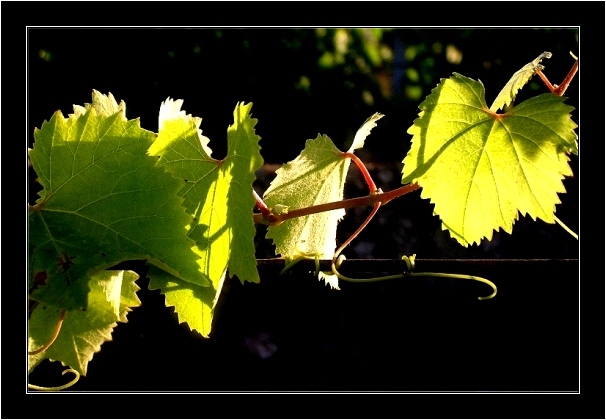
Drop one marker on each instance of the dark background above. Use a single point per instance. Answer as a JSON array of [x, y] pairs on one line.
[[425, 335]]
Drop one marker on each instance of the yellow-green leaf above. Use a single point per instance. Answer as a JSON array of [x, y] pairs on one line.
[[316, 176], [481, 169], [112, 295], [218, 194], [104, 201], [517, 82]]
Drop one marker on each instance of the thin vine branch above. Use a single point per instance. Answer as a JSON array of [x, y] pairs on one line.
[[566, 82], [559, 90], [369, 200], [566, 228], [364, 170]]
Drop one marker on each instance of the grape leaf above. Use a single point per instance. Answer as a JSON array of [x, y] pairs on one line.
[[194, 305], [218, 194], [364, 131], [517, 82], [112, 295], [316, 176], [104, 201], [480, 168]]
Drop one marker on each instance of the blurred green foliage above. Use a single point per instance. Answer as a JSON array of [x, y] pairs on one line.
[[301, 81]]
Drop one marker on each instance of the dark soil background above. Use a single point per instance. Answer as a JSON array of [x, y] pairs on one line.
[[291, 332]]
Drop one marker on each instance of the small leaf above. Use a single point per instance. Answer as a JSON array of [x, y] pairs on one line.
[[517, 82], [112, 295], [316, 176], [480, 168], [364, 131]]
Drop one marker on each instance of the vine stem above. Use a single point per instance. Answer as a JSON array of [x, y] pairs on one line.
[[57, 388], [371, 199], [545, 80], [265, 211], [373, 191], [462, 277], [566, 228], [410, 264], [355, 234], [559, 90], [369, 181], [564, 85], [53, 337]]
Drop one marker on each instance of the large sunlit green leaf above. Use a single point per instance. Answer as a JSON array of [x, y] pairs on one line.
[[316, 176], [104, 201], [219, 196], [112, 295], [481, 169]]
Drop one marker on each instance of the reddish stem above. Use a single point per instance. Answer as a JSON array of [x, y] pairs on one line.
[[261, 205], [357, 232], [268, 216], [559, 90], [546, 81], [371, 184], [573, 71], [53, 336], [371, 199]]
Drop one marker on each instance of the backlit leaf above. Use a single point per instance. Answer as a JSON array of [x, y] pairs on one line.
[[364, 131], [218, 194], [112, 295], [517, 82], [104, 201], [194, 305], [316, 176], [480, 168]]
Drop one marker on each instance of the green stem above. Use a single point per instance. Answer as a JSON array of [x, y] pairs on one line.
[[427, 274], [57, 388], [566, 228], [367, 280], [301, 257], [462, 277]]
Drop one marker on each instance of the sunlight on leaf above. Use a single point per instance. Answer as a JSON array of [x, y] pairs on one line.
[[218, 195], [481, 169], [364, 131], [316, 176], [517, 82], [112, 295], [104, 201]]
